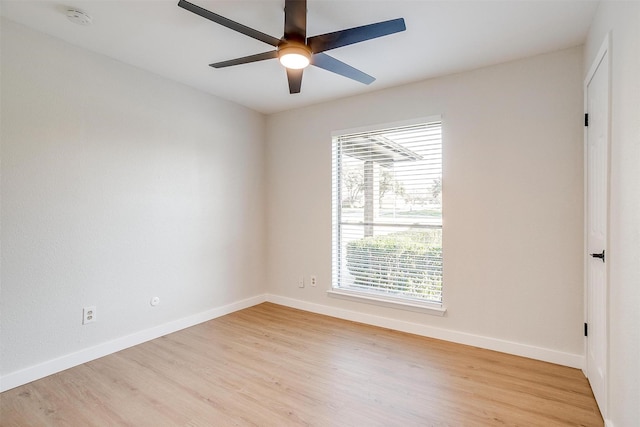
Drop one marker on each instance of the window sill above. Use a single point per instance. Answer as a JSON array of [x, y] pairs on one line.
[[422, 307]]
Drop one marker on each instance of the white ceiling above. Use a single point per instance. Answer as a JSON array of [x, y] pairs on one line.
[[442, 37]]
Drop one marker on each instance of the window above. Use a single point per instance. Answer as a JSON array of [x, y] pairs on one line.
[[387, 213]]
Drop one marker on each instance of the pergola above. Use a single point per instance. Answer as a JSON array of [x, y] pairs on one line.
[[374, 149]]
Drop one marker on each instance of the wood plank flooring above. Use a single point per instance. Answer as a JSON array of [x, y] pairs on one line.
[[270, 365]]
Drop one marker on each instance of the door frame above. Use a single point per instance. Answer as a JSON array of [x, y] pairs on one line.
[[605, 50]]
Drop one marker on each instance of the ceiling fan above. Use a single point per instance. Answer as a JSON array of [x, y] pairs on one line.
[[295, 50]]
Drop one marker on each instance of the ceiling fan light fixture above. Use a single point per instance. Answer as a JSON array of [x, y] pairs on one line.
[[295, 57]]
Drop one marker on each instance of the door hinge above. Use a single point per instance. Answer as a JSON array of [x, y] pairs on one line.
[[586, 119], [586, 330]]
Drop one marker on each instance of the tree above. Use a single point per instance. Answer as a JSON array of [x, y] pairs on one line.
[[388, 184], [354, 184], [436, 190], [385, 185]]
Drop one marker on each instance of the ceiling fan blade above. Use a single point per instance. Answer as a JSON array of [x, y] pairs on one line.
[[330, 63], [246, 59], [218, 19], [295, 20], [295, 80], [341, 38]]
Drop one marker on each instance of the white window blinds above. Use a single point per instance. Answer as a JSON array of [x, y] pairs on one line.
[[387, 212]]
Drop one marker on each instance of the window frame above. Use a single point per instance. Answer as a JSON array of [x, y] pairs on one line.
[[406, 303]]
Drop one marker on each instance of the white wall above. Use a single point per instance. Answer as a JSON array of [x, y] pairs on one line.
[[117, 186], [622, 21], [513, 203]]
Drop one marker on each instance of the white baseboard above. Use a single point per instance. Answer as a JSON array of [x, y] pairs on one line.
[[50, 367], [503, 346]]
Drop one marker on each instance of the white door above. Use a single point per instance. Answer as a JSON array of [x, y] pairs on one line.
[[597, 140]]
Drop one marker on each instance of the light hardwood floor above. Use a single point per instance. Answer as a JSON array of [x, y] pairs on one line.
[[275, 366]]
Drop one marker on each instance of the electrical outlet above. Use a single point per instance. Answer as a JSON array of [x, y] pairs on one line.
[[89, 315], [301, 282], [314, 280]]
